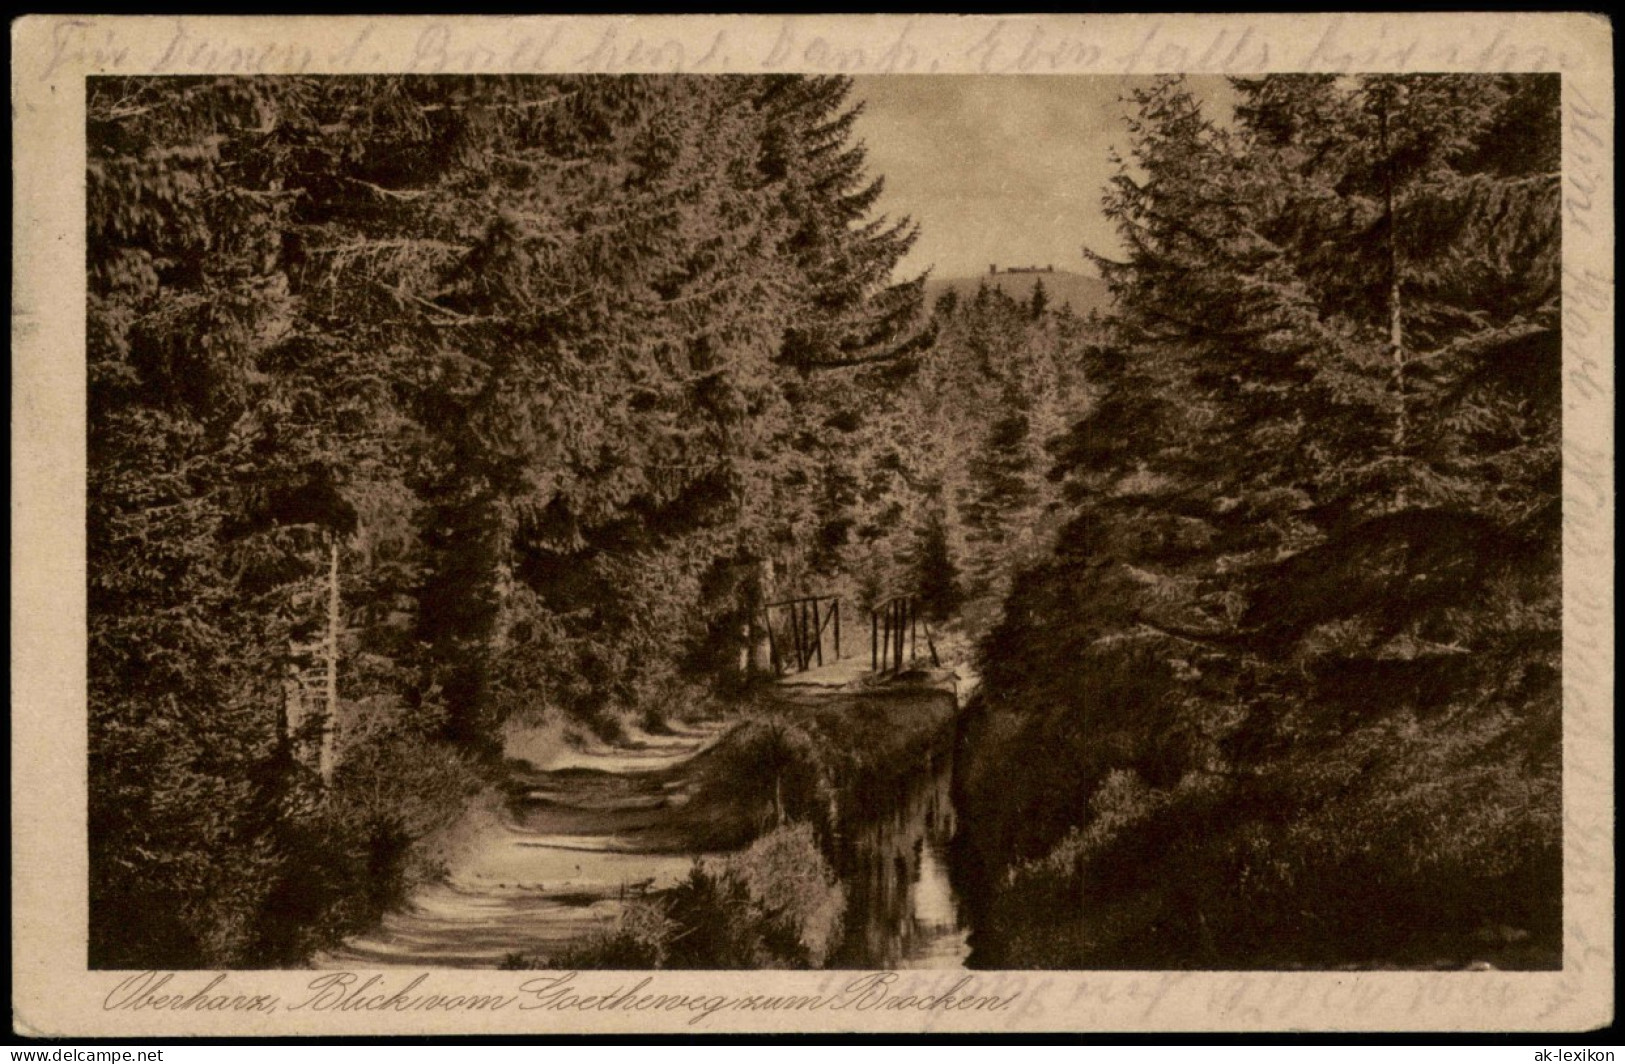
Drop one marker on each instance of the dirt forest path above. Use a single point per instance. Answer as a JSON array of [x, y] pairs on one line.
[[580, 831], [576, 838]]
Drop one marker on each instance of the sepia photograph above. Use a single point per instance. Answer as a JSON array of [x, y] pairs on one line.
[[614, 521], [549, 524]]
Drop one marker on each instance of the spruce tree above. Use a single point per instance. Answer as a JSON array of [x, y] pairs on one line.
[[1321, 464]]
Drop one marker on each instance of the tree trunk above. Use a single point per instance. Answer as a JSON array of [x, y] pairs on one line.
[[293, 706], [1396, 326], [759, 649], [331, 653]]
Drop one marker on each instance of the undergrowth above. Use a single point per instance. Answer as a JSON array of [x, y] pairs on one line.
[[776, 904]]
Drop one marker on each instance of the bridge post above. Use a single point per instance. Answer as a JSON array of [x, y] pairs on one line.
[[913, 630], [818, 634]]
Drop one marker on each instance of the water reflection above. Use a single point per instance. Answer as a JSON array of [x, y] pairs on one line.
[[902, 911]]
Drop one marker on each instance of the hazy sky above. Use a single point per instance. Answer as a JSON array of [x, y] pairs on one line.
[[996, 169]]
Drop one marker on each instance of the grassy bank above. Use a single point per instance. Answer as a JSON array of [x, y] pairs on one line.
[[394, 819], [1132, 799]]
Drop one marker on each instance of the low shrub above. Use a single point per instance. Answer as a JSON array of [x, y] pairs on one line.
[[349, 852], [770, 771], [1406, 843], [776, 904], [638, 940]]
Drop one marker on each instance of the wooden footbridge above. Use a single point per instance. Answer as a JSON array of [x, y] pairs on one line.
[[800, 631]]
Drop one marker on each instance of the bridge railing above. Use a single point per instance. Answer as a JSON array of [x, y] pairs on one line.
[[796, 643], [895, 627], [801, 630]]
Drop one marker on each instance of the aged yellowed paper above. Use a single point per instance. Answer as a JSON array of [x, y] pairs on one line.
[[368, 209]]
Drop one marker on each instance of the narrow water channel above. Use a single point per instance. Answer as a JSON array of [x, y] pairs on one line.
[[902, 911]]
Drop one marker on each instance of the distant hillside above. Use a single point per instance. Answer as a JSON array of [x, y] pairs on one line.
[[1083, 292]]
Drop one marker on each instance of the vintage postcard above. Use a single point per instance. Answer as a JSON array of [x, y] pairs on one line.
[[727, 524]]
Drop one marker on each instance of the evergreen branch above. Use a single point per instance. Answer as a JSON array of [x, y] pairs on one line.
[[1186, 635], [1484, 343], [118, 114], [258, 193], [847, 363], [387, 193], [363, 246], [458, 318], [516, 105]]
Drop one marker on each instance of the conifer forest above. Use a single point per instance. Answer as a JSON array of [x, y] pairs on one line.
[[550, 521]]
